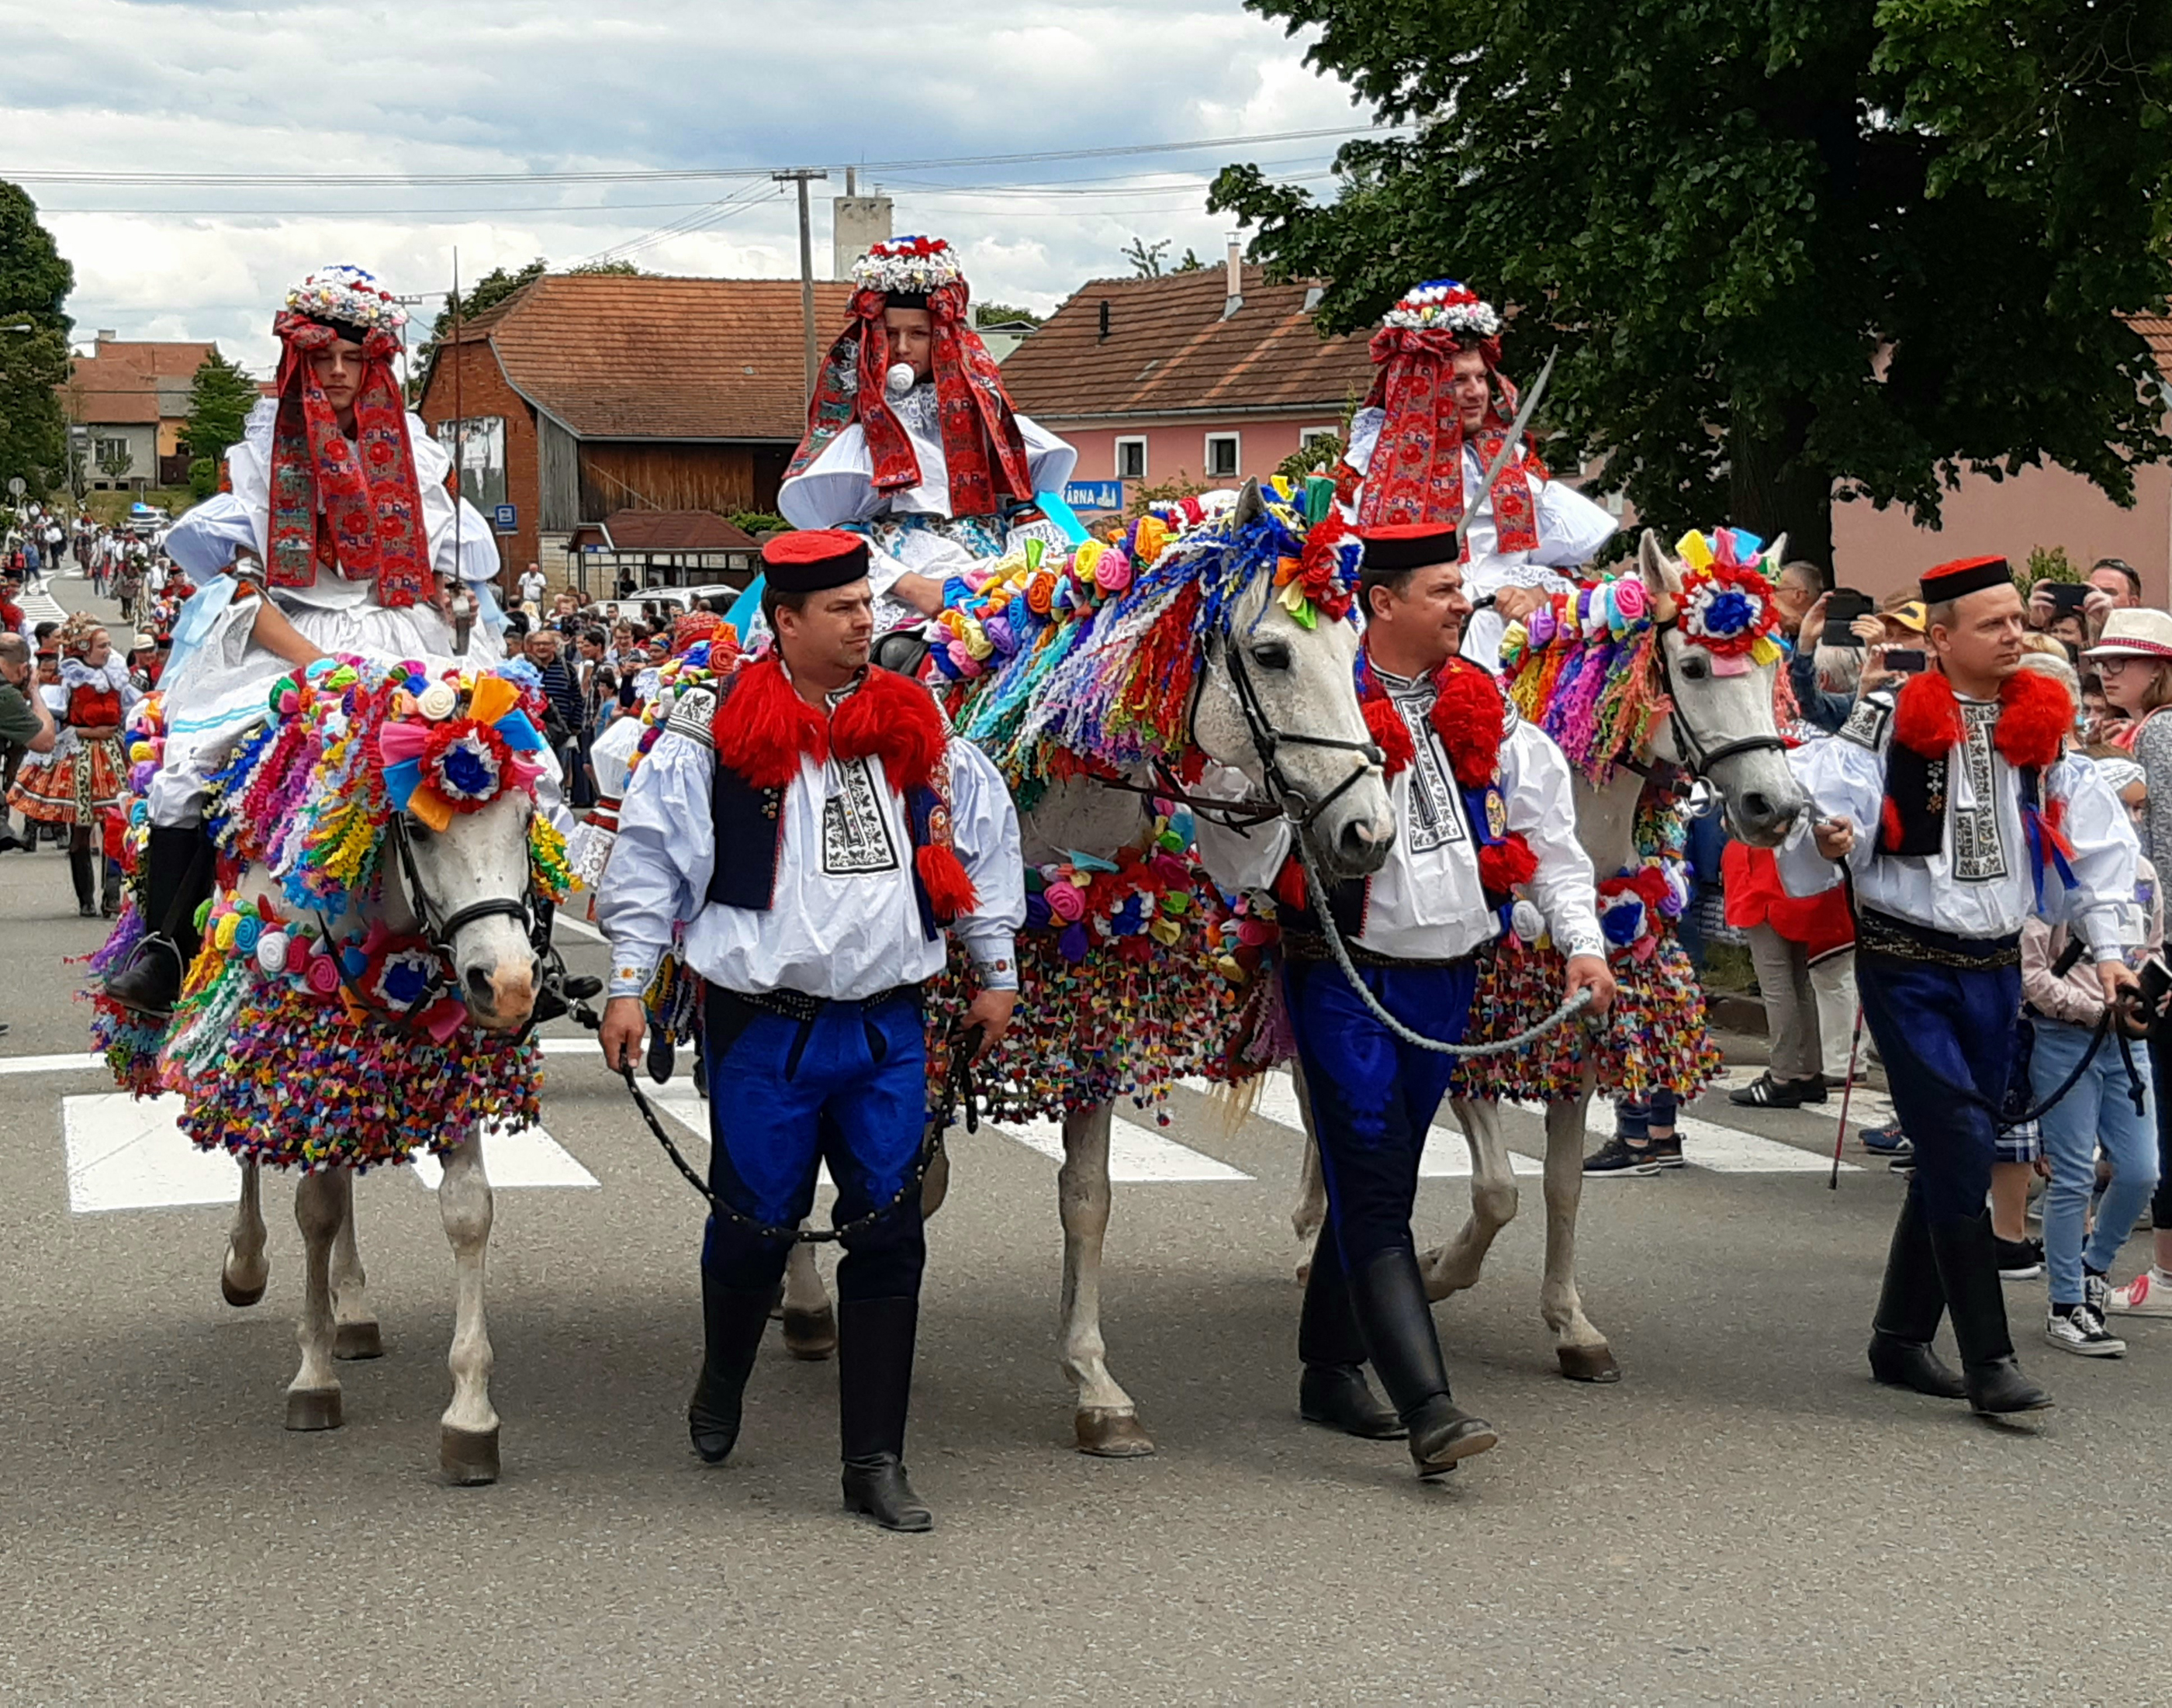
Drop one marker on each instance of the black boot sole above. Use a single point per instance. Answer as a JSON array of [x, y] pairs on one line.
[[1476, 1437], [1385, 1427], [894, 1508]]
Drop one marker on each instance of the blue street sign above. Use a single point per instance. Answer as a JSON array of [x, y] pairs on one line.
[[1094, 494], [506, 519]]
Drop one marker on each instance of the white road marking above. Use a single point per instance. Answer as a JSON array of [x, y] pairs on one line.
[[1447, 1156], [123, 1154], [1136, 1153], [50, 1064], [579, 928], [529, 1158], [1724, 1150]]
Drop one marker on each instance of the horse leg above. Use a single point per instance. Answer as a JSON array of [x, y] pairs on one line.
[[1584, 1355], [1106, 1421], [320, 1201], [354, 1325], [1450, 1268], [246, 1269], [810, 1326], [467, 1433], [1309, 1215]]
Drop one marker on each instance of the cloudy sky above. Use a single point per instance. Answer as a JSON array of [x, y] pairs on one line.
[[400, 89]]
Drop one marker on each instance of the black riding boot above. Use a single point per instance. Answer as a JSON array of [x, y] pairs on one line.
[[1333, 1389], [179, 865], [874, 1387], [86, 883], [1909, 1307], [732, 1324], [1968, 1268], [1390, 1299]]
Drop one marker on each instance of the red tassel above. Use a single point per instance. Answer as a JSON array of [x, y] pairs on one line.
[[1926, 718], [1390, 735], [950, 892], [2036, 714], [1469, 715], [1504, 865], [894, 719], [1290, 887], [1889, 821], [762, 727]]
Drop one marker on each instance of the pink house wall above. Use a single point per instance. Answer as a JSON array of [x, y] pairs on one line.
[[1179, 447], [1882, 551]]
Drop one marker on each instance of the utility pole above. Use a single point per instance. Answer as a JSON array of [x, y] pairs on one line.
[[803, 176]]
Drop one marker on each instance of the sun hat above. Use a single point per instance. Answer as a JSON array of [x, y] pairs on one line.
[[1909, 614], [2134, 633]]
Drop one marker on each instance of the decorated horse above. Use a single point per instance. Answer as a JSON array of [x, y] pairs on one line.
[[1102, 681], [1669, 671], [364, 989]]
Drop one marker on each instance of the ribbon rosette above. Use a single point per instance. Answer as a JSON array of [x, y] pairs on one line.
[[1726, 598], [434, 769], [1322, 580]]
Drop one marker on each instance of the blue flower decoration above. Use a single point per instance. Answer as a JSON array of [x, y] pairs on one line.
[[1729, 613], [1623, 923], [468, 772]]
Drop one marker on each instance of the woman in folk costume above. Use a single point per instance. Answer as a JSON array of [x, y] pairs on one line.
[[337, 533], [78, 783], [1957, 816], [1437, 417], [911, 439]]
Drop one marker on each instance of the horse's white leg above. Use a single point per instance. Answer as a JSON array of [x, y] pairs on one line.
[[1584, 1355], [1106, 1421], [320, 1202], [246, 1268], [1452, 1267], [1309, 1215], [810, 1326], [467, 1433], [354, 1325]]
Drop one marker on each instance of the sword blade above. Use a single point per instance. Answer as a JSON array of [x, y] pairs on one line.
[[1508, 446]]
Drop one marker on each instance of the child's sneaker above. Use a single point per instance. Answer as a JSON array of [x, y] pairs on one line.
[[2149, 1294]]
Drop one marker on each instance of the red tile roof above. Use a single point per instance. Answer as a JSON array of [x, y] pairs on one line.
[[1170, 352], [658, 358], [2158, 335], [674, 531], [121, 382]]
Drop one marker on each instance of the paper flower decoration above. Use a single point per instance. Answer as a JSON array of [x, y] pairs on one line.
[[436, 767]]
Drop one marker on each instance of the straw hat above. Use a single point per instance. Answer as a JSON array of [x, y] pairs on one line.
[[2134, 633]]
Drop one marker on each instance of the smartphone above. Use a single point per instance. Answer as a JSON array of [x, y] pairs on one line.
[[1907, 660], [2066, 596], [1844, 606]]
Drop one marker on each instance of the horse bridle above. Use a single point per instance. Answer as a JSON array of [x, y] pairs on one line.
[[439, 932], [1695, 755], [1268, 742]]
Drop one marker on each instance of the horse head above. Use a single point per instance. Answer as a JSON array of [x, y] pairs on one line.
[[469, 883], [1722, 726], [1286, 713]]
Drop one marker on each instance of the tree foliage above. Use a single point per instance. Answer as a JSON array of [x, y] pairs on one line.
[[221, 395], [1146, 258], [997, 313], [34, 282], [495, 286], [1786, 249]]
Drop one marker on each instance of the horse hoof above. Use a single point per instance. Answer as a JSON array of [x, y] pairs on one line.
[[357, 1340], [1589, 1363], [811, 1335], [1108, 1434], [468, 1456], [239, 1297], [313, 1408]]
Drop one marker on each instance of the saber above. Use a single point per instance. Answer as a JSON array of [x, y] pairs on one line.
[[1508, 446]]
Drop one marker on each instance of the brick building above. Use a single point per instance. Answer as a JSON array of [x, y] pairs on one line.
[[1210, 376], [126, 403], [588, 394]]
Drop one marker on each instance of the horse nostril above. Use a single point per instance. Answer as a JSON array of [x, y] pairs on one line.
[[1756, 807], [478, 984]]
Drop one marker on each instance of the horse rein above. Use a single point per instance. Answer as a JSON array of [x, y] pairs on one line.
[[1268, 741]]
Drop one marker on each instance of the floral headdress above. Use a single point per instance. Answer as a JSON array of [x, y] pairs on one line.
[[1446, 305], [1726, 600], [348, 294], [912, 265]]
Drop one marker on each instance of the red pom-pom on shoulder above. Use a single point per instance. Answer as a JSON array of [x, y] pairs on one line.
[[894, 719], [1290, 887], [2036, 714], [1926, 718], [1390, 735], [762, 726], [1469, 715]]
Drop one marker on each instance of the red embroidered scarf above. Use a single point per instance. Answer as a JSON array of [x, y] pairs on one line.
[[353, 505], [976, 413], [1415, 472]]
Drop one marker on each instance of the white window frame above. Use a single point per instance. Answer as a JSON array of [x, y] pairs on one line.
[[1123, 444], [1236, 460], [1306, 436]]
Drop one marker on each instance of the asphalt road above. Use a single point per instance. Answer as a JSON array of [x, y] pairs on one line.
[[1744, 1518]]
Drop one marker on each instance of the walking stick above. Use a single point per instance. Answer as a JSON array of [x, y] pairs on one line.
[[1846, 1091]]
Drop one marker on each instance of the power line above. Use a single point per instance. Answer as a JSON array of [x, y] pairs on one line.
[[658, 175]]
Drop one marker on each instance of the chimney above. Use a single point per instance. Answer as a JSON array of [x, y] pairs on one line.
[[1105, 317], [1235, 298], [106, 335]]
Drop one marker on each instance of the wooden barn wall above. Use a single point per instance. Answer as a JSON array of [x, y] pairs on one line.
[[635, 476], [558, 458]]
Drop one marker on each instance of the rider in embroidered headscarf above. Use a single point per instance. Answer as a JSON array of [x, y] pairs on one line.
[[1437, 415], [334, 531], [911, 439]]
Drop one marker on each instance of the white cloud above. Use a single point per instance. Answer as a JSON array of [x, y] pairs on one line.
[[103, 85]]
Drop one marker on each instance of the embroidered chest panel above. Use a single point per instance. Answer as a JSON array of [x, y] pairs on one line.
[[856, 834], [1436, 817], [1979, 854]]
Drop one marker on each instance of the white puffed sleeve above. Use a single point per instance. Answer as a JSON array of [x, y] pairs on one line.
[[984, 829], [204, 541], [1536, 787], [660, 865], [2100, 905], [1844, 780], [1571, 527]]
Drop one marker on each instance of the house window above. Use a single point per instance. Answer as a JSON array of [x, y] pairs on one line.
[[1222, 456], [1311, 436], [1130, 459]]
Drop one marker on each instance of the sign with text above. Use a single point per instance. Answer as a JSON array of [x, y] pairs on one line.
[[1094, 494], [506, 518]]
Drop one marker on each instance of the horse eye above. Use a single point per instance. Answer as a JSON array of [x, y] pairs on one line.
[[1271, 655], [1696, 669]]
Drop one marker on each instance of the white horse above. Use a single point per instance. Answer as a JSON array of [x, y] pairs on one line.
[[464, 892], [1720, 728], [1285, 713]]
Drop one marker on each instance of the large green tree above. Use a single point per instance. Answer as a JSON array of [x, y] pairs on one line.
[[221, 395], [34, 281], [1789, 250]]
